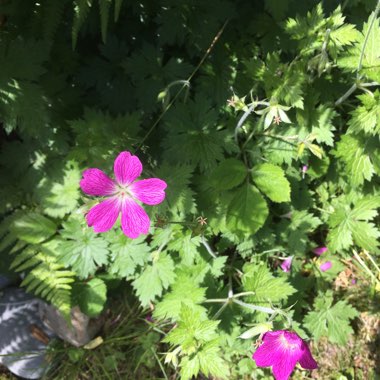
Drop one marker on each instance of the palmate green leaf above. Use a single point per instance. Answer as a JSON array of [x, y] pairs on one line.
[[184, 291], [371, 59], [257, 278], [179, 198], [359, 154], [192, 330], [271, 180], [126, 254], [186, 244], [32, 227], [352, 225], [330, 320], [366, 117], [247, 211], [91, 296], [198, 340], [295, 233], [154, 278], [194, 137], [81, 249], [317, 120], [58, 198]]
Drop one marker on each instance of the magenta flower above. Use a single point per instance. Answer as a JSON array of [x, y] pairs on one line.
[[319, 250], [287, 264], [325, 266], [122, 196], [281, 350]]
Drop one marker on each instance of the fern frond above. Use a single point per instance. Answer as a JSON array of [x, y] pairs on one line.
[[118, 4], [46, 278], [53, 12], [104, 8], [81, 10]]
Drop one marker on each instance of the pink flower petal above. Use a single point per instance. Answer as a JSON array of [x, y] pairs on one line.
[[134, 219], [104, 215], [282, 350], [284, 367], [149, 191], [287, 264], [306, 360], [97, 183], [264, 356], [325, 266], [127, 168]]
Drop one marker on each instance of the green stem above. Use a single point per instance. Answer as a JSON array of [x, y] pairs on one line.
[[185, 85], [208, 248], [254, 307], [159, 363], [360, 64]]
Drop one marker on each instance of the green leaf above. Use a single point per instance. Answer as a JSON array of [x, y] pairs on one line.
[[127, 254], [186, 245], [349, 225], [183, 292], [45, 276], [60, 198], [198, 340], [330, 320], [229, 174], [367, 116], [371, 59], [91, 296], [104, 7], [267, 288], [271, 180], [193, 136], [33, 228], [82, 249], [357, 153], [247, 210], [179, 196], [154, 278], [192, 329]]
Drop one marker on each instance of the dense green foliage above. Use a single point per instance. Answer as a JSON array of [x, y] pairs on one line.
[[82, 80]]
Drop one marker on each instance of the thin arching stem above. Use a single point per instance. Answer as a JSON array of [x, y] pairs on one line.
[[360, 64]]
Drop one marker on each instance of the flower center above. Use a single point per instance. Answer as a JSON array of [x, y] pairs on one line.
[[123, 192], [289, 343]]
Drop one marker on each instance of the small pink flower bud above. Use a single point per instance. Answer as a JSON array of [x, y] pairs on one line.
[[325, 266], [287, 264], [319, 250]]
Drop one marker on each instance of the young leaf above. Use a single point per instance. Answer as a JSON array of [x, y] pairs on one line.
[[271, 180]]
